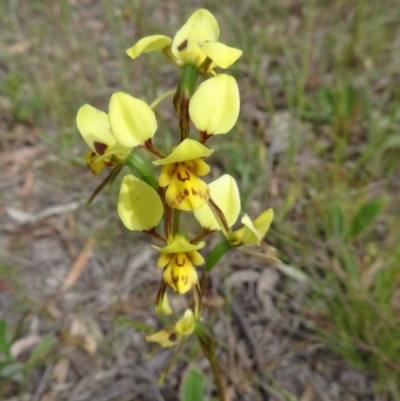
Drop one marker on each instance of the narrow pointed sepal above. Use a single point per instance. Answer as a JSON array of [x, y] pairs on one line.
[[148, 44]]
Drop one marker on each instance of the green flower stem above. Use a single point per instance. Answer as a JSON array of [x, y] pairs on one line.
[[176, 222], [168, 221], [186, 89], [188, 80], [172, 362], [207, 343], [137, 164]]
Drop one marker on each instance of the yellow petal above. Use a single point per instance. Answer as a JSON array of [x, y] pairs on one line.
[[254, 231], [139, 206], [199, 28], [196, 258], [95, 163], [148, 44], [225, 194], [187, 150], [95, 129], [132, 121], [180, 274], [247, 234], [186, 191], [180, 244], [166, 174], [222, 55], [163, 259], [214, 107], [185, 325], [165, 338], [198, 166], [263, 222], [166, 307]]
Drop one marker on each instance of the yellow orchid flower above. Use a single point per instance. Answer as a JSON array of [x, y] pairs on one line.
[[183, 327], [225, 194], [129, 123], [178, 259], [139, 206], [252, 232], [196, 43], [180, 171], [214, 107], [95, 129]]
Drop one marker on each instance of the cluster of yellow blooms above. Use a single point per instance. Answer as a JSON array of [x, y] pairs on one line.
[[144, 202]]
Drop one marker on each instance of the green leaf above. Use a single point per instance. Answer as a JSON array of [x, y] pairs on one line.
[[216, 254], [4, 343], [41, 351], [12, 371], [337, 220], [193, 385], [136, 163], [136, 325], [366, 215], [393, 142]]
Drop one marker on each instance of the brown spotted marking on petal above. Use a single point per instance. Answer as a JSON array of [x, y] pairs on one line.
[[172, 337], [183, 45], [92, 157], [202, 195], [100, 148]]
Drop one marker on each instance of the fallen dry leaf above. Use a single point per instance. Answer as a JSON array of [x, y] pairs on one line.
[[22, 155], [21, 47], [28, 184], [79, 265], [50, 395], [22, 218], [60, 370], [86, 328], [242, 276], [267, 282], [308, 393], [23, 344]]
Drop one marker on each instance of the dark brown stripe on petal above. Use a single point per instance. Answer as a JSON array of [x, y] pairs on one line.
[[100, 148], [183, 45]]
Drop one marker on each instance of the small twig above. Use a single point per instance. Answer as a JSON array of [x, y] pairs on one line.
[[43, 383], [244, 325]]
